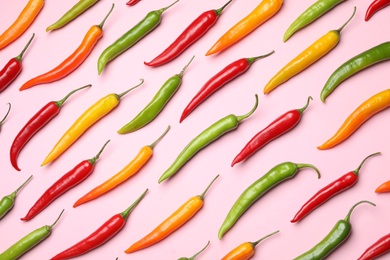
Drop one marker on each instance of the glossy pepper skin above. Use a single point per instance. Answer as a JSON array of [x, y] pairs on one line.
[[334, 239], [278, 127], [195, 255], [374, 7], [133, 2], [256, 190], [384, 187], [380, 247], [202, 24], [339, 185]]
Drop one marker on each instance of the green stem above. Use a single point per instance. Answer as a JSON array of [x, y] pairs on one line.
[[119, 96], [194, 256], [345, 24], [304, 165], [307, 104], [5, 117], [240, 118], [105, 18], [185, 67], [59, 103], [125, 214], [347, 218], [201, 196], [254, 244], [20, 56], [24, 184], [165, 8], [94, 159], [58, 218], [356, 172], [253, 59], [161, 137], [219, 11]]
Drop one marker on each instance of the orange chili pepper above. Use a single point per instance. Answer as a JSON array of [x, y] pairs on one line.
[[384, 187], [129, 170], [24, 20], [173, 222], [245, 250], [365, 111], [74, 60], [264, 11]]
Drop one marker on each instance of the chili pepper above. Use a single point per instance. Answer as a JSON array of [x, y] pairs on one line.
[[311, 14], [74, 60], [335, 238], [72, 14], [104, 233], [190, 35], [28, 242], [210, 134], [93, 114], [278, 127], [264, 11], [183, 214], [245, 250], [7, 202], [365, 111], [361, 61], [194, 256], [69, 180], [5, 117], [13, 68], [129, 170], [156, 105], [37, 122], [374, 7], [131, 37], [223, 77], [339, 185], [306, 58], [379, 248], [24, 20], [256, 190], [384, 187], [132, 2]]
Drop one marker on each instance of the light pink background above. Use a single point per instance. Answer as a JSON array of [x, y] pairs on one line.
[[272, 212]]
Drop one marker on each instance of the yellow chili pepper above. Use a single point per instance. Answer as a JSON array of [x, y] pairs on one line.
[[264, 11], [93, 114], [306, 58], [24, 20]]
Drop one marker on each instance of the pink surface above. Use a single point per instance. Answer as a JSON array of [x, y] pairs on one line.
[[272, 212]]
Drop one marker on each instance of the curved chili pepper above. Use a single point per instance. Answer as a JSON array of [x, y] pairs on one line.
[[13, 68], [69, 180], [256, 190], [8, 202], [223, 77], [104, 233], [93, 114], [374, 7], [73, 61], [380, 247], [384, 187], [24, 20], [278, 127], [210, 134], [361, 61], [194, 256], [264, 11], [190, 35], [129, 170], [335, 238], [311, 14], [132, 2], [131, 37], [5, 117], [37, 122], [337, 186], [246, 250], [172, 223], [365, 111], [306, 58], [156, 105]]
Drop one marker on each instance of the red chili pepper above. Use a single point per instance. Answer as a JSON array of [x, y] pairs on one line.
[[223, 77], [101, 235], [378, 248], [39, 120], [341, 184], [375, 7], [12, 69], [278, 127], [133, 2], [69, 180], [192, 33], [6, 115]]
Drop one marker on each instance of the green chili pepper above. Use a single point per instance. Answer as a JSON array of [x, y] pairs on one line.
[[276, 175], [8, 202], [194, 256], [335, 238], [157, 103], [311, 14], [131, 37], [210, 134], [361, 61], [28, 242], [72, 14]]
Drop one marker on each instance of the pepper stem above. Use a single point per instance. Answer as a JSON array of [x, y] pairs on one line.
[[304, 165], [356, 172], [119, 96], [254, 244], [350, 18], [185, 67], [58, 218], [20, 56], [194, 256], [240, 118], [219, 11], [21, 186], [307, 104], [105, 18], [201, 196], [5, 117], [253, 59], [94, 159], [125, 214], [165, 8], [354, 206], [59, 103], [161, 137]]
